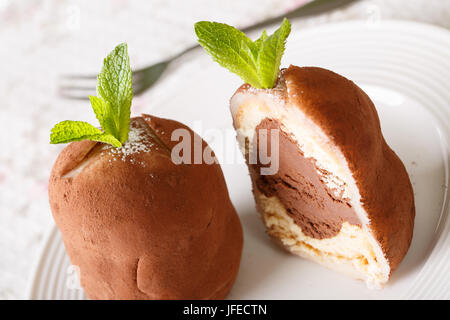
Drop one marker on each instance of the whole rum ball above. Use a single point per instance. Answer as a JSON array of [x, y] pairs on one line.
[[140, 226]]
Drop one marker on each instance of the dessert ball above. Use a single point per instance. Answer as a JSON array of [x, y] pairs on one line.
[[138, 225], [340, 196]]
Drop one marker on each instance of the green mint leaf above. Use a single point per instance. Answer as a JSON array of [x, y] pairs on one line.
[[99, 106], [68, 131], [111, 107], [261, 39], [102, 111], [271, 50], [230, 48], [256, 62], [114, 87]]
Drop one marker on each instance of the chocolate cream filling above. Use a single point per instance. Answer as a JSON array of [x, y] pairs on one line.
[[312, 205]]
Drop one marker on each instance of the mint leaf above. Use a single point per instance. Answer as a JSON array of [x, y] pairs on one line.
[[256, 62], [67, 131], [99, 106], [114, 87], [111, 107], [230, 48], [271, 50], [261, 39], [103, 113]]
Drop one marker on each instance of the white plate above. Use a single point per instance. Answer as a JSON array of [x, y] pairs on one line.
[[405, 69]]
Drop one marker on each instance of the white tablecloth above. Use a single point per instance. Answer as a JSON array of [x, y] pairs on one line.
[[42, 39]]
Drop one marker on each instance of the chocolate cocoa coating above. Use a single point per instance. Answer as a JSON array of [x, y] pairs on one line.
[[149, 229], [310, 203], [348, 117]]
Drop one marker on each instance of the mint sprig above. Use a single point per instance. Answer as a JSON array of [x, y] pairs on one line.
[[111, 105], [256, 62], [67, 131]]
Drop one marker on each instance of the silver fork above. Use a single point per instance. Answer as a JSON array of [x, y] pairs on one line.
[[81, 86]]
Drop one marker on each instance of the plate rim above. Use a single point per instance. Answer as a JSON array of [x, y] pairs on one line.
[[37, 265]]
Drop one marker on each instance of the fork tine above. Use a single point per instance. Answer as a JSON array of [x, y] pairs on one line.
[[79, 76], [76, 88], [136, 73], [83, 93], [73, 97], [79, 87], [75, 92]]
